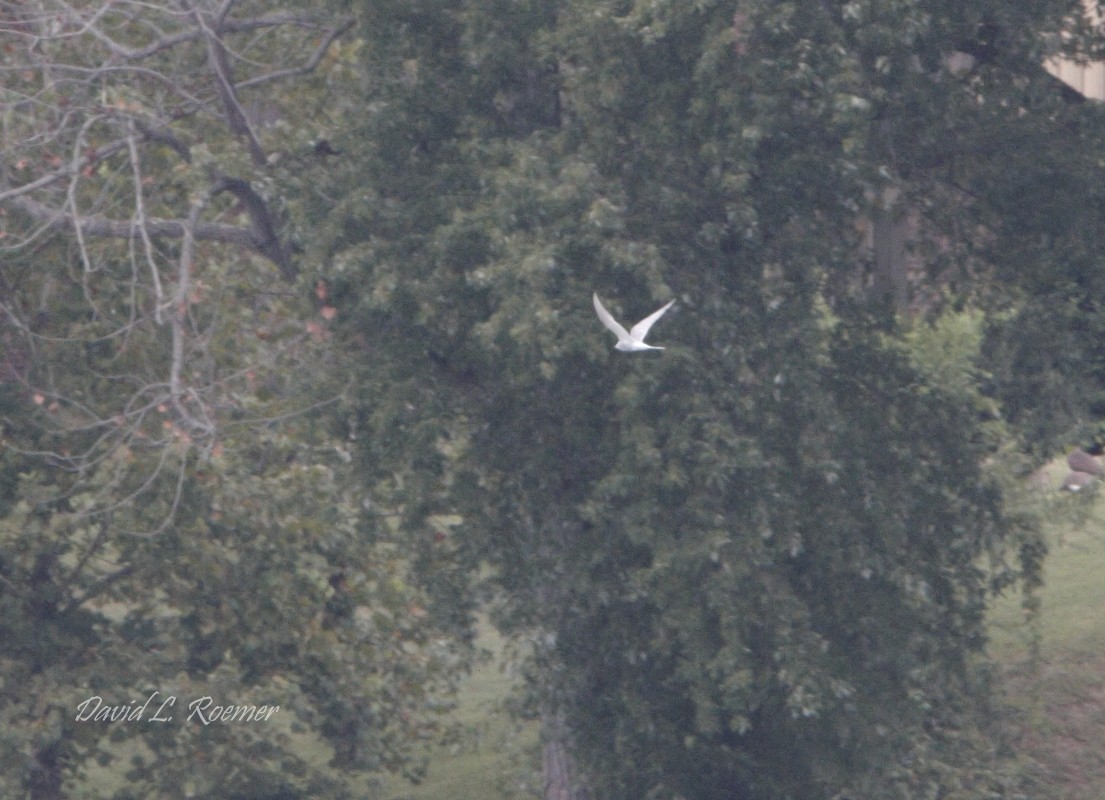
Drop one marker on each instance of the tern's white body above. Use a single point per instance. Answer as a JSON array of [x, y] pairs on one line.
[[633, 339]]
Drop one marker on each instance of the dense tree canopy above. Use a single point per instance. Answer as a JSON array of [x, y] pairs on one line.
[[754, 565], [763, 557]]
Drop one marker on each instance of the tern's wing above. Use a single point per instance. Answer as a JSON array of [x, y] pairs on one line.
[[639, 331], [609, 321]]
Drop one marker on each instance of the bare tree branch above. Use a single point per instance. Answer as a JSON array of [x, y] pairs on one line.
[[123, 124], [143, 230], [98, 225], [169, 41], [164, 136], [224, 83], [105, 95], [266, 240], [307, 66], [179, 319]]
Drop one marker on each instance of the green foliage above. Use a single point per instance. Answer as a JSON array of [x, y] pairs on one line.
[[270, 589], [179, 509], [836, 596], [946, 351], [756, 563], [1046, 370]]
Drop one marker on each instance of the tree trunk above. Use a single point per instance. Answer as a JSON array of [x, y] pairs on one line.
[[891, 228], [44, 782], [561, 780]]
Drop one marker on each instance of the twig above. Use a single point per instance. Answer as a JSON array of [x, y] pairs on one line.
[[140, 224]]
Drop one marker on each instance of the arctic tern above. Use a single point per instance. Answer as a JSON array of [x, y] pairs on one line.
[[633, 339]]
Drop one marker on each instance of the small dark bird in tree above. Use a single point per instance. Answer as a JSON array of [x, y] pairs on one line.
[[324, 148]]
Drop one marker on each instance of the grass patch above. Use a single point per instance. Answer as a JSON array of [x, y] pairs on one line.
[[496, 758], [1059, 704]]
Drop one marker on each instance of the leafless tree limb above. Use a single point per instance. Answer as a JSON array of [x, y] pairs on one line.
[[140, 225], [265, 238], [155, 227], [128, 149], [96, 58], [224, 82], [179, 318], [309, 65]]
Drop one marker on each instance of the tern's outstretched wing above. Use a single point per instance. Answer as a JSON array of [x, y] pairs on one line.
[[609, 321], [639, 331]]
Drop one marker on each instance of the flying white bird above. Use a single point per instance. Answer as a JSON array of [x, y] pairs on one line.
[[634, 339]]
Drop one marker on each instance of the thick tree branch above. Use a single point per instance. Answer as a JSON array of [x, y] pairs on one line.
[[224, 84], [261, 237], [267, 241], [100, 226], [163, 135]]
